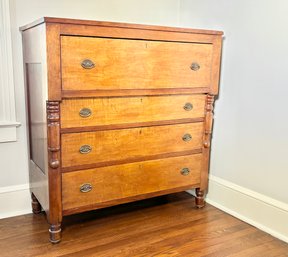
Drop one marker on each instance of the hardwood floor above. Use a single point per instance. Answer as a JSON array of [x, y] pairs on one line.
[[163, 226]]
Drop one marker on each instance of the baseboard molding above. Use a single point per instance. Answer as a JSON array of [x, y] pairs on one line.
[[256, 209], [14, 201]]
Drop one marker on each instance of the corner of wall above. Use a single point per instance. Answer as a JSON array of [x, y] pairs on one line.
[[256, 209], [14, 201]]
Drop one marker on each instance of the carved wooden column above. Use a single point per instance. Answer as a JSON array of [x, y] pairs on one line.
[[54, 171], [208, 124]]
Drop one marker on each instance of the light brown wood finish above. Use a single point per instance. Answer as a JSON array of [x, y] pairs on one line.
[[45, 174], [208, 126], [130, 160], [130, 125], [108, 24], [35, 68], [135, 33], [163, 226], [42, 177], [53, 61], [122, 181], [54, 170], [132, 92], [151, 64], [128, 143], [141, 77], [216, 64], [128, 199], [109, 111]]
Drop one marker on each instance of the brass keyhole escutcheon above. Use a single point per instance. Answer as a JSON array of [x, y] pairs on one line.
[[188, 107], [85, 112], [195, 66], [84, 149], [87, 64], [187, 137], [185, 171], [85, 188]]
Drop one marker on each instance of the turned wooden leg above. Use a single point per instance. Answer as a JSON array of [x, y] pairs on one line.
[[55, 233], [199, 199], [36, 207]]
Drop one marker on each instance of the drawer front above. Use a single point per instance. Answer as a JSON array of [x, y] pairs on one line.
[[126, 180], [129, 144], [123, 110], [133, 64]]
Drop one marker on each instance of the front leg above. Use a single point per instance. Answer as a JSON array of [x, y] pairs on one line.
[[208, 124], [199, 199], [55, 233], [54, 171]]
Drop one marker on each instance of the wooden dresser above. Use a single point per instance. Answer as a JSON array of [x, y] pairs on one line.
[[117, 112]]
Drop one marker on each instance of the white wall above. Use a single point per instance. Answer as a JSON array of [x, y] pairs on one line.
[[14, 165], [250, 141], [249, 164]]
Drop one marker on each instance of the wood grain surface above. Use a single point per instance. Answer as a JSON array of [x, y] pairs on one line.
[[133, 64], [132, 92], [130, 125], [129, 143], [107, 24], [121, 110], [142, 78], [162, 226], [126, 180], [53, 48]]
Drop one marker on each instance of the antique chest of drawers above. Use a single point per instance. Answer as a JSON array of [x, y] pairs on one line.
[[117, 113]]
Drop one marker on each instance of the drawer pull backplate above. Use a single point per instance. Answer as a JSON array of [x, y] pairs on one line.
[[85, 188], [188, 107], [187, 137], [87, 64], [185, 171], [85, 149], [195, 66], [85, 112]]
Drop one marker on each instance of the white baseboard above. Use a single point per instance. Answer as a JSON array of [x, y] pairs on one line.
[[260, 211], [256, 209], [14, 201]]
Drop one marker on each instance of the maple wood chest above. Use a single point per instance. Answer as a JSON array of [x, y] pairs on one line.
[[117, 112]]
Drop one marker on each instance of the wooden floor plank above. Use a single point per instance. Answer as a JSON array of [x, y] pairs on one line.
[[163, 226]]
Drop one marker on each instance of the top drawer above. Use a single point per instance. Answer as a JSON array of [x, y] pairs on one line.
[[133, 64]]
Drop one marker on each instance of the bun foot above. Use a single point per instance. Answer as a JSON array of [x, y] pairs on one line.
[[36, 207], [199, 199]]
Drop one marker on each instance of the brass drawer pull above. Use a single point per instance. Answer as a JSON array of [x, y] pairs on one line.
[[85, 149], [87, 64], [187, 137], [185, 171], [195, 66], [188, 107], [85, 112], [85, 188]]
